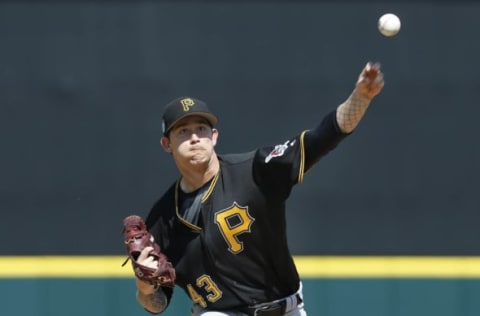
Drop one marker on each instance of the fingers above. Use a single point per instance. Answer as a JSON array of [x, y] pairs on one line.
[[372, 73], [373, 66], [146, 260], [144, 254], [150, 262], [370, 81]]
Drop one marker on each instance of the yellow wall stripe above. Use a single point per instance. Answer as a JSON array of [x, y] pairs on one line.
[[389, 267], [308, 266], [64, 266]]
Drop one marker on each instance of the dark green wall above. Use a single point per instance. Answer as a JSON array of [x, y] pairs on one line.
[[326, 297], [82, 85]]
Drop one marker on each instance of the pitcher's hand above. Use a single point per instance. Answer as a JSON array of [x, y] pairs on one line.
[[370, 81]]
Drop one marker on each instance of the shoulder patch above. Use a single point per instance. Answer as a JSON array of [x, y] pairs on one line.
[[279, 150]]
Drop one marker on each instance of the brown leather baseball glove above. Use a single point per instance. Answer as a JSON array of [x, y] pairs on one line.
[[137, 238]]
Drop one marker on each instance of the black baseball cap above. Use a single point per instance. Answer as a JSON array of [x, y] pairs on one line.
[[183, 107]]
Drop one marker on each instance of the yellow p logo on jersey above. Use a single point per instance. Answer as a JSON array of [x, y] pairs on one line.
[[233, 222]]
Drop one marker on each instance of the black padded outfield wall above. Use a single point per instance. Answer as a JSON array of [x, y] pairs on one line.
[[82, 86]]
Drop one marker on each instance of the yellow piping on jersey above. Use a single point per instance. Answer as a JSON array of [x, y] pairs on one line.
[[301, 172], [205, 196]]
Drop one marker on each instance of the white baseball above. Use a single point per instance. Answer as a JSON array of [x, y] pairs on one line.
[[389, 24]]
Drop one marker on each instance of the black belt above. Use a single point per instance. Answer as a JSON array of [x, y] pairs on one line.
[[273, 309]]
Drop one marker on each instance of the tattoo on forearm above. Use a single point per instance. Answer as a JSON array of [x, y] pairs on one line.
[[351, 112], [155, 302]]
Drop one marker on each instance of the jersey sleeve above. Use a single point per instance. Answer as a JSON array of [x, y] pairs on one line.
[[278, 168], [322, 139]]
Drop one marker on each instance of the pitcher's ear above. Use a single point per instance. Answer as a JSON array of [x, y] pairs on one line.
[[214, 136], [165, 142]]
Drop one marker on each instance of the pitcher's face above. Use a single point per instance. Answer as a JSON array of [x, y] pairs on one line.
[[191, 140]]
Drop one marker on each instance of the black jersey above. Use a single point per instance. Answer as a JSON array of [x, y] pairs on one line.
[[238, 255]]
